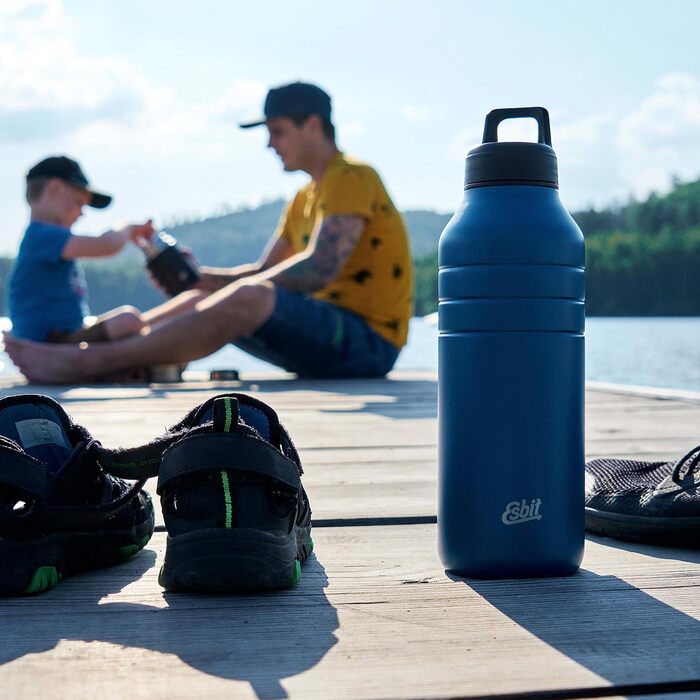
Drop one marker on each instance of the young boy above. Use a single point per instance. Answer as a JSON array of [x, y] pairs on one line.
[[47, 293]]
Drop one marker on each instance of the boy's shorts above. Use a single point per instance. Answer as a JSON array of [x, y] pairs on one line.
[[313, 338], [89, 333]]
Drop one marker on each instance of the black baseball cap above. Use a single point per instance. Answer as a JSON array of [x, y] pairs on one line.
[[294, 100], [71, 173]]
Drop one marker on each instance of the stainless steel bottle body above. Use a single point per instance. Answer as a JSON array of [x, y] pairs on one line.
[[511, 385]]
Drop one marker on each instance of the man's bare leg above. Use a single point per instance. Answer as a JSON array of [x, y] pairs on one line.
[[236, 310], [173, 307]]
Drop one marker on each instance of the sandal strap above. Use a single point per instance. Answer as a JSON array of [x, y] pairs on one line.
[[234, 451], [221, 414], [140, 462], [225, 413], [23, 472]]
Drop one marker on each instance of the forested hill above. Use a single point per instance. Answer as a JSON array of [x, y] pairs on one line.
[[642, 257], [679, 210]]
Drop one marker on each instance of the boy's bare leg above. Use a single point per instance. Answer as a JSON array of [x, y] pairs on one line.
[[111, 325], [120, 322], [236, 310], [127, 320]]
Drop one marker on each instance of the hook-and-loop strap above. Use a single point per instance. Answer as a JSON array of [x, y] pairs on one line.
[[233, 451], [23, 472]]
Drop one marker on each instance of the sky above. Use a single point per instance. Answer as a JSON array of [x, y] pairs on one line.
[[147, 95]]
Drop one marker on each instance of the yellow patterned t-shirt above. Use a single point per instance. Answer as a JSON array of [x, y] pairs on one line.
[[376, 282]]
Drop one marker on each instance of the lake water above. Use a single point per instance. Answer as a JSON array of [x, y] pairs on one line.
[[655, 352]]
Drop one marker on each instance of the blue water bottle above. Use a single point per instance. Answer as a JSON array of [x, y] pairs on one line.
[[511, 366]]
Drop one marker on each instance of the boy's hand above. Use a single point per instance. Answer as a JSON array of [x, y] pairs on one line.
[[139, 234]]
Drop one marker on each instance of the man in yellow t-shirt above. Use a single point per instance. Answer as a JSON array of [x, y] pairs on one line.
[[330, 297], [353, 318], [375, 281]]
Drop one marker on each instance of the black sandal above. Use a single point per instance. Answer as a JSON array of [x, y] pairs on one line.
[[60, 512], [229, 478], [653, 502]]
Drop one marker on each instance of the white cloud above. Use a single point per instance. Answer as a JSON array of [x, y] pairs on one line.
[[463, 142], [170, 130], [584, 132], [241, 102], [605, 157], [660, 137], [47, 86], [103, 104], [352, 128], [576, 141], [418, 114], [30, 14], [588, 160]]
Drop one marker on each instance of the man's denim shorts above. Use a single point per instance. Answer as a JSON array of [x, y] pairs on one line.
[[316, 339]]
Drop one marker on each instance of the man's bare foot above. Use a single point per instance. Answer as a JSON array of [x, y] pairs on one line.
[[47, 363]]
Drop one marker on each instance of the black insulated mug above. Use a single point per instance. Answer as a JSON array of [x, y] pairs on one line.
[[172, 269]]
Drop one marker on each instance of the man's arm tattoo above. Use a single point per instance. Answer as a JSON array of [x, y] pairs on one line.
[[329, 249]]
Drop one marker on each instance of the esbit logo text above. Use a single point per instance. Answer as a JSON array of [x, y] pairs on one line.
[[521, 511]]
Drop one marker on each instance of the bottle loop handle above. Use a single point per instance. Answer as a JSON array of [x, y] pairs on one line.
[[496, 116]]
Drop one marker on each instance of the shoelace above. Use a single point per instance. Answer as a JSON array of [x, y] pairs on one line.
[[694, 457]]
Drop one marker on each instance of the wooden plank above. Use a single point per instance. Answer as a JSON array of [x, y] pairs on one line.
[[374, 617], [334, 496], [363, 457], [353, 467]]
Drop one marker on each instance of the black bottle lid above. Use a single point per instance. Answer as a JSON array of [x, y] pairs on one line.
[[497, 162]]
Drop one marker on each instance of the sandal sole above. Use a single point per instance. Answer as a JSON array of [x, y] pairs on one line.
[[34, 566], [678, 532], [234, 560]]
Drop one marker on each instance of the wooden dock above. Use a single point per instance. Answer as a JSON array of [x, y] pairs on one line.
[[375, 615]]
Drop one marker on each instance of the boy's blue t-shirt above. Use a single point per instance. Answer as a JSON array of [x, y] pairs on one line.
[[45, 293]]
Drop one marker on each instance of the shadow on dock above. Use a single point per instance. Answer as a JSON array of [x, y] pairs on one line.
[[393, 398], [261, 639], [607, 625]]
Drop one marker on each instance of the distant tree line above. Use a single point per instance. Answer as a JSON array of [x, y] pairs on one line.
[[679, 210], [642, 257]]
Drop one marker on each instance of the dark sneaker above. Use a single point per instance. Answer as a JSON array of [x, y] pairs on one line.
[[655, 502], [237, 516], [60, 513]]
